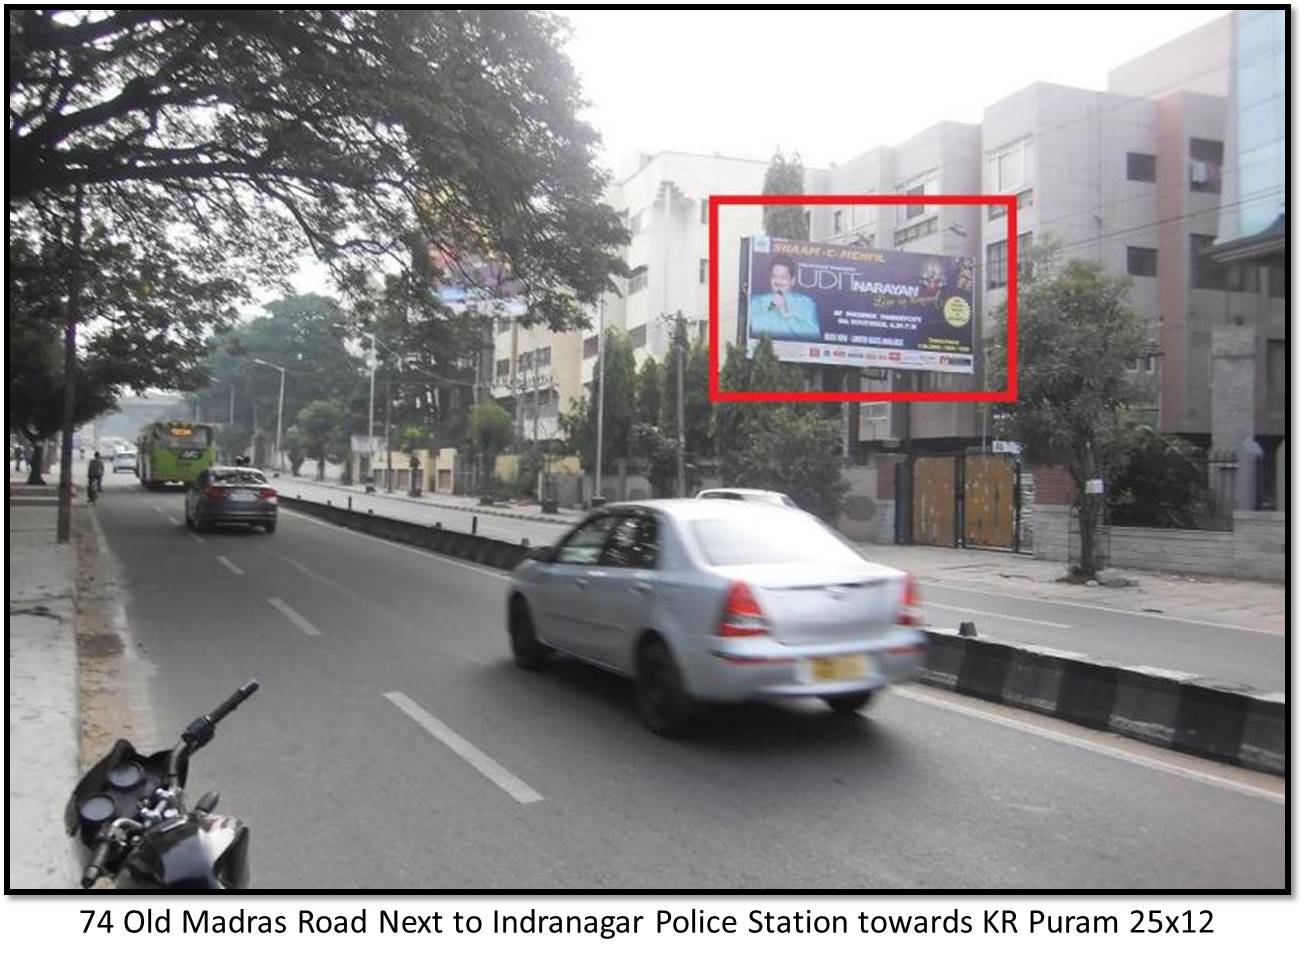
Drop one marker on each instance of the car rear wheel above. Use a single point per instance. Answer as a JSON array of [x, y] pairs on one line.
[[845, 705], [527, 650], [269, 527], [664, 705]]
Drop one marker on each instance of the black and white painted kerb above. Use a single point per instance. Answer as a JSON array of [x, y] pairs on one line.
[[1171, 709]]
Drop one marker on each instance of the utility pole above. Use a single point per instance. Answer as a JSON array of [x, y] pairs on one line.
[[371, 410], [681, 335], [389, 447], [602, 370], [63, 522]]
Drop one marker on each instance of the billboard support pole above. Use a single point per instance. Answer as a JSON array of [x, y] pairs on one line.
[[602, 370]]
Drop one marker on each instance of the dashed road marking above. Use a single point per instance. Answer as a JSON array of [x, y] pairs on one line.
[[488, 768], [232, 566], [303, 624], [995, 615]]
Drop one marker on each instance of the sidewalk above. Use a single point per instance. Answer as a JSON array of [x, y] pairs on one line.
[[1251, 604], [43, 710]]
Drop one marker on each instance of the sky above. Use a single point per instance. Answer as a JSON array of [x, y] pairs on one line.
[[831, 84]]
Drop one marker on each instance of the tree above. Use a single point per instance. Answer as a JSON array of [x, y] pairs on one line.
[[490, 432], [1162, 482], [1076, 333], [305, 334], [350, 130], [786, 447], [798, 453], [320, 424], [785, 176], [697, 401], [647, 404], [296, 449], [579, 426]]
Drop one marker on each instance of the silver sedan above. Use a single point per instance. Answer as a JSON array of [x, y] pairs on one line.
[[716, 600]]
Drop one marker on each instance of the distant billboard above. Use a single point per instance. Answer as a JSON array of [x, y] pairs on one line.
[[832, 304]]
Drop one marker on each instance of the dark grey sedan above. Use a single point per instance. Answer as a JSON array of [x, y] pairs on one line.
[[717, 600], [234, 495]]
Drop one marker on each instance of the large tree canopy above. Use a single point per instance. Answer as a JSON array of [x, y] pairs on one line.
[[355, 130]]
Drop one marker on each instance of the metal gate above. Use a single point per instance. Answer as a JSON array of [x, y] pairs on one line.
[[934, 501], [964, 500], [991, 497]]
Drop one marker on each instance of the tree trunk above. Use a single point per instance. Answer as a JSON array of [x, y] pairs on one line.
[[1088, 524], [36, 466], [321, 469]]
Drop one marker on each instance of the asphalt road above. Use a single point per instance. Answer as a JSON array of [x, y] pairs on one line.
[[395, 744], [1230, 654]]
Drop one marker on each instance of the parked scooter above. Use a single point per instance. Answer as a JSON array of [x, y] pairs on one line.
[[129, 811]]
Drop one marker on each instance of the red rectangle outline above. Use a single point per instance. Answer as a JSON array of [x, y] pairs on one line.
[[1008, 201]]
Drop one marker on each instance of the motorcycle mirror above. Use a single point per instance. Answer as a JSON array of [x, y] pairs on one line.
[[207, 802]]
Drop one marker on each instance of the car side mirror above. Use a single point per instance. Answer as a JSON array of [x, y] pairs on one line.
[[543, 553]]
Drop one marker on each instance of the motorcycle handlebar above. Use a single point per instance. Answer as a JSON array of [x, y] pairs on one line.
[[229, 706], [95, 868]]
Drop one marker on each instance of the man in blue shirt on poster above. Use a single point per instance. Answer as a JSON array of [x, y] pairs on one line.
[[783, 314]]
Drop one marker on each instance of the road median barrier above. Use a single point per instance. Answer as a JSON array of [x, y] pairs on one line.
[[1175, 710], [442, 541]]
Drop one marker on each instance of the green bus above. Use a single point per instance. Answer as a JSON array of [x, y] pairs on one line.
[[174, 451]]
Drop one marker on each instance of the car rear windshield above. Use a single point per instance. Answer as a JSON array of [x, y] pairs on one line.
[[247, 477], [780, 536]]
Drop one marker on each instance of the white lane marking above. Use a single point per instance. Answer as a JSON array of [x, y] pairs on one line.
[[172, 518], [1080, 743], [995, 615], [196, 537], [432, 556], [307, 627], [1100, 608], [231, 565], [491, 770]]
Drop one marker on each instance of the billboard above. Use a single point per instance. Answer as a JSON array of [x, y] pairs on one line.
[[832, 304]]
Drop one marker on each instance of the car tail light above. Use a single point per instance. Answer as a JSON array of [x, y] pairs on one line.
[[741, 616], [909, 614], [268, 494], [213, 491]]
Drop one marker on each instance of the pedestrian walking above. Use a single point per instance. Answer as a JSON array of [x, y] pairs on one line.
[[94, 476]]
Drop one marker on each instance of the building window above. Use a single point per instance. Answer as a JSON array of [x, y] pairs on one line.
[[1274, 377], [996, 265], [837, 222], [638, 336], [503, 367], [542, 357], [638, 280], [704, 210], [1204, 273], [1025, 256], [920, 186], [591, 346], [524, 361], [1010, 167], [702, 267], [995, 212], [1024, 199], [1143, 262], [1206, 165], [807, 216], [1242, 277], [1141, 167], [504, 325], [915, 231], [1276, 282]]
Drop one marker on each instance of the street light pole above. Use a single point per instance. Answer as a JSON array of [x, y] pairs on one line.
[[280, 410], [681, 335], [602, 370], [371, 410]]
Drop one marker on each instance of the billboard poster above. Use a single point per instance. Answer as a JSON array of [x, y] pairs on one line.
[[831, 304]]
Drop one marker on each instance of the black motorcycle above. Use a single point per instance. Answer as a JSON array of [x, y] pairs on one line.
[[130, 812]]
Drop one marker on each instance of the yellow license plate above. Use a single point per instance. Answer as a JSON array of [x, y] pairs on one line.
[[839, 668]]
